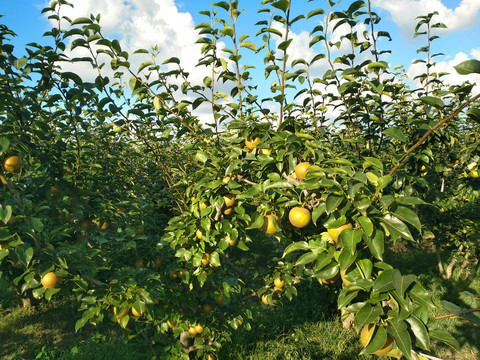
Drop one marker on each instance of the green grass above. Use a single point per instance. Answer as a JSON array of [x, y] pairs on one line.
[[47, 332], [305, 328]]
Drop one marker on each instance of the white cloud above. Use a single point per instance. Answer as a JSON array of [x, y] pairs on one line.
[[453, 78], [142, 24], [139, 24], [475, 53], [404, 13]]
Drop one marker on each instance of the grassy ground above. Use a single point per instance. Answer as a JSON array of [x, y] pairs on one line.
[[306, 328]]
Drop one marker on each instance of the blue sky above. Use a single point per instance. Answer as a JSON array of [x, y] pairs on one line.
[[169, 24]]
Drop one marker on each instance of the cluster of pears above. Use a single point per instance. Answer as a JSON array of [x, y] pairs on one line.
[[298, 216]]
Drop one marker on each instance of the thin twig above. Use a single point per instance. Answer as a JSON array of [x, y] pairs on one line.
[[426, 135], [446, 316]]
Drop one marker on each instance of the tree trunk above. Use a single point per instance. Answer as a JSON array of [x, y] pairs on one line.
[[449, 270], [439, 262], [348, 321]]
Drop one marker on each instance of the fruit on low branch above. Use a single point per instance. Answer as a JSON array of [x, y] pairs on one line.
[[251, 143], [301, 170], [103, 227], [229, 200], [199, 234], [171, 324], [122, 314], [157, 262], [205, 259], [265, 299], [474, 174], [299, 217], [220, 299], [331, 280], [139, 263], [199, 328], [207, 308], [335, 232], [344, 280], [367, 334], [12, 163], [279, 283], [136, 313], [268, 223], [49, 280]]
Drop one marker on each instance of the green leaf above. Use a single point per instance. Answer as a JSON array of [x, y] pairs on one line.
[[281, 4], [215, 259], [349, 239], [38, 292], [368, 314], [300, 245], [249, 45], [455, 309], [346, 297], [317, 212], [144, 65], [395, 133], [398, 329], [50, 292], [257, 222], [172, 60], [474, 114], [19, 63], [333, 202], [366, 224], [223, 5], [433, 101], [72, 76], [346, 259], [157, 103], [422, 339], [327, 272], [401, 283], [5, 214], [284, 45], [81, 323], [396, 226], [273, 31], [384, 281], [377, 65], [282, 184], [468, 67], [419, 295], [201, 156], [445, 337], [81, 20], [378, 340], [408, 216], [315, 13], [4, 144], [306, 259], [371, 161], [409, 200], [383, 181], [24, 254], [132, 83]]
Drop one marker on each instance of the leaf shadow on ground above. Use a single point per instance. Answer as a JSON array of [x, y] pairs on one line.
[[424, 264]]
